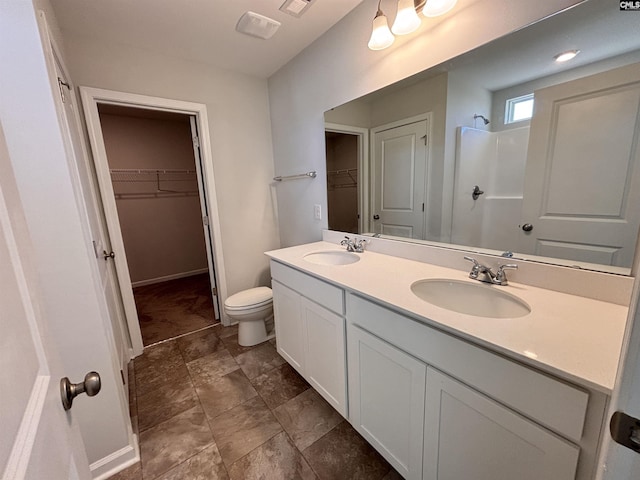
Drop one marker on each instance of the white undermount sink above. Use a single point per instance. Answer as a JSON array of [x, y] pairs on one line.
[[475, 299], [332, 257]]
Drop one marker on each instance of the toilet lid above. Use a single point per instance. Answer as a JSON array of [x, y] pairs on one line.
[[249, 298]]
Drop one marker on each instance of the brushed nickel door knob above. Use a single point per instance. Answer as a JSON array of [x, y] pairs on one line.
[[68, 391]]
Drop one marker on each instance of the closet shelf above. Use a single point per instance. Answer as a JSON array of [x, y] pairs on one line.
[[167, 181], [346, 178]]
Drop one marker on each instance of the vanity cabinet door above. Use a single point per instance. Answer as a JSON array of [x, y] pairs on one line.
[[325, 353], [287, 309], [468, 435], [386, 400]]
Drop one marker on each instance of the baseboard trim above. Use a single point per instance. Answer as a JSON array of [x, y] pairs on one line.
[[166, 278], [119, 460]]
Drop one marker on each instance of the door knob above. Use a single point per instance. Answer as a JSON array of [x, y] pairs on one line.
[[109, 255], [69, 391], [376, 217], [527, 227]]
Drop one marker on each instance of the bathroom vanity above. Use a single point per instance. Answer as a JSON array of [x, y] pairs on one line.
[[443, 394]]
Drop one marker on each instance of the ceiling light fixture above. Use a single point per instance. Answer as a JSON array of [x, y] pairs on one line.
[[406, 21], [381, 36], [566, 56], [435, 8]]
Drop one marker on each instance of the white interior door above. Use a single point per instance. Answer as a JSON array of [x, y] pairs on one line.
[[582, 187], [38, 440], [204, 206], [399, 179], [70, 123]]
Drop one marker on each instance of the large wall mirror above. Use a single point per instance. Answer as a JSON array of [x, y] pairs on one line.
[[504, 149]]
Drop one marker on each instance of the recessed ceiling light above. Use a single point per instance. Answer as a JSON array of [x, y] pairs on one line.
[[566, 56]]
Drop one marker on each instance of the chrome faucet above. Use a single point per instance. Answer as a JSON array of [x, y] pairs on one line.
[[355, 245], [482, 273]]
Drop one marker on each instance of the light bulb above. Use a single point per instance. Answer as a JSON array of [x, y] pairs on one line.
[[566, 56], [381, 36], [435, 8], [407, 19]]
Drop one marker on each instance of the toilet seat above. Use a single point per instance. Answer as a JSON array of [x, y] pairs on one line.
[[249, 299]]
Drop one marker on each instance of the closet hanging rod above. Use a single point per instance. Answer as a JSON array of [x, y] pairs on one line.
[[311, 174]]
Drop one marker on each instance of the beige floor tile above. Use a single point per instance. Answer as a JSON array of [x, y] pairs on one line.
[[235, 349], [224, 393], [260, 360], [243, 428], [343, 453], [279, 385], [277, 458], [199, 344], [169, 443], [307, 417], [206, 465], [206, 369], [164, 402]]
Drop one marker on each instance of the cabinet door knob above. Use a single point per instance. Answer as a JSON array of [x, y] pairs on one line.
[[527, 227], [376, 217]]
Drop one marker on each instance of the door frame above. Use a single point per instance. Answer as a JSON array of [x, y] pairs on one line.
[[91, 97], [363, 169], [427, 117]]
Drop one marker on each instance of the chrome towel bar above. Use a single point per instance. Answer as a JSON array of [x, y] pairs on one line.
[[311, 174]]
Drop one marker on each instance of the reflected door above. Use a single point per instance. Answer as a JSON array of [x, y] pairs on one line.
[[399, 179], [582, 183]]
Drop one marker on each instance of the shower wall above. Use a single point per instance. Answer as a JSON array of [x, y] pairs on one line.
[[495, 161]]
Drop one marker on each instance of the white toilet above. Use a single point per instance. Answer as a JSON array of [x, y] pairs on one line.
[[251, 308]]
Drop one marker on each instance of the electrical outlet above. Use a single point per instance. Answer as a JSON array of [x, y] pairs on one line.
[[317, 212]]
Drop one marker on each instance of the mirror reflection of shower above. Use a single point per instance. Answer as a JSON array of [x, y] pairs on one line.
[[342, 181]]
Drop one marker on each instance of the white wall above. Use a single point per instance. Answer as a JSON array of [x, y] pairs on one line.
[[162, 232], [69, 294], [339, 67], [238, 111]]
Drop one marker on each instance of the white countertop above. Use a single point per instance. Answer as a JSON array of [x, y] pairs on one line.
[[575, 338]]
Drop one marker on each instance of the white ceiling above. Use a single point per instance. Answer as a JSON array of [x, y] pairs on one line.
[[202, 30]]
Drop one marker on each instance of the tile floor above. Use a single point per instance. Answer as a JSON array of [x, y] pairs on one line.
[[169, 309], [208, 409]]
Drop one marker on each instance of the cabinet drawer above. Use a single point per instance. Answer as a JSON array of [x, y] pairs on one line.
[[550, 402], [324, 294]]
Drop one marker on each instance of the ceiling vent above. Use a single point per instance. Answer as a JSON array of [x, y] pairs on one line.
[[257, 25], [295, 8]]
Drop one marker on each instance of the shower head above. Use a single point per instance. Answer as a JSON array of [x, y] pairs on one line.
[[484, 119]]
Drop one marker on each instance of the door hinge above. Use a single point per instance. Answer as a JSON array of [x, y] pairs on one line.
[[196, 141], [62, 84], [423, 207], [214, 291], [122, 376], [205, 220], [424, 137], [625, 430]]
